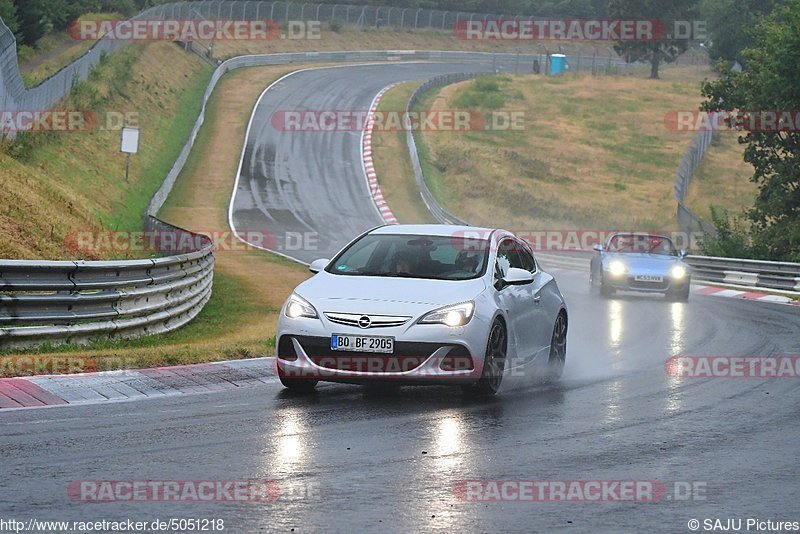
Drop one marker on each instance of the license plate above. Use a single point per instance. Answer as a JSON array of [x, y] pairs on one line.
[[648, 278], [380, 344]]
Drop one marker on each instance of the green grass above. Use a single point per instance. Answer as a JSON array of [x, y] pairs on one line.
[[594, 152], [106, 81]]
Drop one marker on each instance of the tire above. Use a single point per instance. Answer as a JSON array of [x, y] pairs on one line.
[[493, 364], [593, 288], [296, 384], [558, 348], [605, 289]]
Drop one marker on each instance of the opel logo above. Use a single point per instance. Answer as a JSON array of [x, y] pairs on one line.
[[364, 322]]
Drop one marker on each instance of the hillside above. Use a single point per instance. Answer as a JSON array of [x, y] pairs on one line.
[[593, 152]]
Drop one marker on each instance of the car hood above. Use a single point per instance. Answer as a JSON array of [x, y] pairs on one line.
[[657, 263], [345, 292]]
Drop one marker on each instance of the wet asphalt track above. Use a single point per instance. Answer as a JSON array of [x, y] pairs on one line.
[[389, 461], [298, 183]]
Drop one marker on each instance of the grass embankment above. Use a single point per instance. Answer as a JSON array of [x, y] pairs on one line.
[[594, 152], [249, 287], [53, 51], [60, 183]]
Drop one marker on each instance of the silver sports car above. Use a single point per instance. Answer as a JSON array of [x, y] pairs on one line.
[[640, 262], [424, 304]]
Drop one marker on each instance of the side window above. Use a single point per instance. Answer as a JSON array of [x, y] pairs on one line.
[[508, 256], [526, 258]]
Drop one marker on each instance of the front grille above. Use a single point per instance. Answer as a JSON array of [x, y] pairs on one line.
[[358, 320], [407, 356]]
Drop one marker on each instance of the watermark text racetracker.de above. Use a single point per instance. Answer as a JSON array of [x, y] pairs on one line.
[[733, 366], [442, 120], [540, 29], [581, 240], [182, 491], [763, 121], [45, 364], [586, 491], [172, 241], [198, 29], [65, 120]]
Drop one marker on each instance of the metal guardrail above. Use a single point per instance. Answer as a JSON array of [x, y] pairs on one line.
[[776, 275], [77, 301]]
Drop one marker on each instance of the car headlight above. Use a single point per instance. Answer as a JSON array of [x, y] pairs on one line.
[[455, 315], [297, 306], [678, 272], [617, 268]]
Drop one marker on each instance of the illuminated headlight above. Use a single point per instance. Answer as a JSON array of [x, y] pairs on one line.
[[617, 268], [297, 306], [456, 315], [678, 272]]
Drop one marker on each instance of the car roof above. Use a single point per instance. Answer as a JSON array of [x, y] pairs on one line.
[[443, 230], [640, 234]]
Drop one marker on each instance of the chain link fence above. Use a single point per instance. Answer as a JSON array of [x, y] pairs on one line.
[[688, 221]]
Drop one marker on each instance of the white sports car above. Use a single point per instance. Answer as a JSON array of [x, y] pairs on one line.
[[424, 304]]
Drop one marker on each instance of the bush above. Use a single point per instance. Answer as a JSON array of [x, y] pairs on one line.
[[732, 239], [25, 53], [484, 92], [336, 25]]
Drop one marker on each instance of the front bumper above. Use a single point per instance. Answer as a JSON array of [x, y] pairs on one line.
[[627, 282], [423, 354]]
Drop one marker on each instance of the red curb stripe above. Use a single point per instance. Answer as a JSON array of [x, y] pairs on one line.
[[8, 389], [366, 157], [38, 392], [709, 290], [6, 402]]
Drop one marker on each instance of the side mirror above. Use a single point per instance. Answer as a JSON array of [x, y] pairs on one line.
[[598, 247], [682, 253], [317, 265], [517, 277]]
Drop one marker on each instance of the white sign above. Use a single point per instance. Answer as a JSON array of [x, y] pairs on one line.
[[129, 144]]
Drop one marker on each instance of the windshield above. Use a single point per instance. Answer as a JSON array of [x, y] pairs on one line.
[[641, 244], [413, 256]]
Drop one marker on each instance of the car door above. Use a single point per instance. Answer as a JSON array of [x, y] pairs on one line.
[[540, 324], [518, 303]]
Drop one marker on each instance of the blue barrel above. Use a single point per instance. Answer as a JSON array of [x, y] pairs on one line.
[[558, 64]]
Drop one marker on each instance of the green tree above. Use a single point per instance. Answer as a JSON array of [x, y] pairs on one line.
[[665, 49], [731, 23], [8, 12], [770, 82]]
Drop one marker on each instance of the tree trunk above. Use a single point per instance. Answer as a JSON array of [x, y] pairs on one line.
[[655, 61]]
